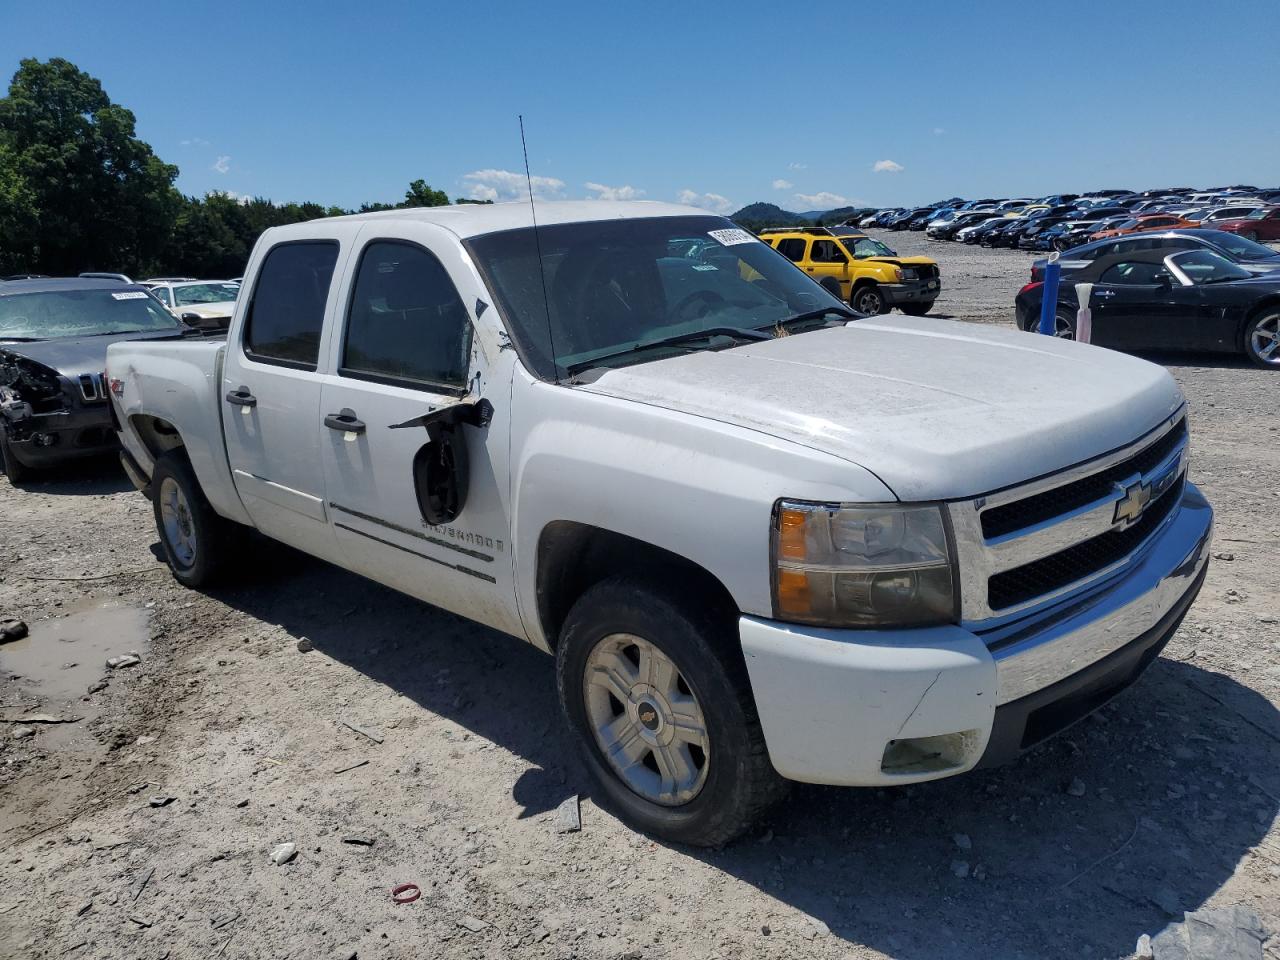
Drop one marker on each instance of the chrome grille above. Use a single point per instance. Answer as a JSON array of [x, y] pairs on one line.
[[1029, 545]]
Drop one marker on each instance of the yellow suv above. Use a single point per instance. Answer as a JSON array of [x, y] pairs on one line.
[[858, 269]]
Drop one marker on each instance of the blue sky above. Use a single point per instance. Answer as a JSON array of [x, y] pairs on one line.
[[804, 105]]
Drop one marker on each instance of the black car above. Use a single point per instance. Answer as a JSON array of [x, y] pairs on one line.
[[1034, 237], [901, 221], [54, 335], [997, 236], [977, 235], [948, 230], [1255, 257], [1157, 300]]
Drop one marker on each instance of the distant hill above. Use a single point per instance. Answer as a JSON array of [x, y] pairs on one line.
[[757, 216]]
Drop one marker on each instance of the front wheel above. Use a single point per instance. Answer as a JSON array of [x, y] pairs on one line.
[[917, 309], [1262, 340], [869, 299], [662, 709], [195, 540], [15, 470], [1252, 235]]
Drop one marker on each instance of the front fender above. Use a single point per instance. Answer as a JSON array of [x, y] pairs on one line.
[[696, 487]]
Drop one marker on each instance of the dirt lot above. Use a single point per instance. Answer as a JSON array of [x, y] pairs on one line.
[[144, 829]]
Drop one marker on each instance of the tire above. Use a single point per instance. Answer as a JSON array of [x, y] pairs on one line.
[[832, 286], [1064, 323], [1264, 330], [16, 471], [196, 541], [869, 299], [719, 781], [1252, 235], [917, 309]]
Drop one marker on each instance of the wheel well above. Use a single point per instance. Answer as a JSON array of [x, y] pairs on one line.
[[831, 284], [573, 557], [157, 435], [864, 282]]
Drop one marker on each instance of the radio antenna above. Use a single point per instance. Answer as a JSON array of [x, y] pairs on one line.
[[537, 243]]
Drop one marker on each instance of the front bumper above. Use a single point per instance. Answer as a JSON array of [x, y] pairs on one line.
[[912, 291], [867, 708], [46, 439]]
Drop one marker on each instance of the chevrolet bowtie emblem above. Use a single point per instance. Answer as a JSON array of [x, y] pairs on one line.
[[1129, 507]]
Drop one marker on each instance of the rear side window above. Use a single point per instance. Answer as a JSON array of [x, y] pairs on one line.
[[287, 309], [407, 324], [792, 248]]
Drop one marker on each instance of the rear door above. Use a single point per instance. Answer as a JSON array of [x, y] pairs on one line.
[[271, 389], [404, 348], [826, 259]]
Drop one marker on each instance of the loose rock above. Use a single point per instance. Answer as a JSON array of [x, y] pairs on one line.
[[1076, 787], [11, 629], [161, 801], [22, 733], [283, 854], [305, 645], [474, 924], [960, 868], [962, 841], [569, 816], [124, 660]]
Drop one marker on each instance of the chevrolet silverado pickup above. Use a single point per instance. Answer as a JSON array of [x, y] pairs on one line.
[[766, 538]]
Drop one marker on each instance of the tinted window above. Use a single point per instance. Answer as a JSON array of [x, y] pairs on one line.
[[1133, 273], [1204, 266], [826, 251], [406, 322], [792, 249], [287, 309]]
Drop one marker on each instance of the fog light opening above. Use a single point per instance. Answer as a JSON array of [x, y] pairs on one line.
[[918, 755]]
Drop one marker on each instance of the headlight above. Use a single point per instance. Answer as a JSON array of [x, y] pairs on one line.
[[909, 273], [861, 566]]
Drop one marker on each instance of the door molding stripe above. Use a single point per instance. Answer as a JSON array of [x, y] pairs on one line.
[[436, 541], [387, 543]]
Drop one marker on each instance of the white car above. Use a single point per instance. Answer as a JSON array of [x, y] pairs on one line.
[[765, 538], [201, 303]]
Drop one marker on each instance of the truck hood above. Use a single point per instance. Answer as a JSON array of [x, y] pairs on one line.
[[899, 261], [73, 356], [936, 409]]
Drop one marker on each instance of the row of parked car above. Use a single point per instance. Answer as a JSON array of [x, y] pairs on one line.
[[1063, 221]]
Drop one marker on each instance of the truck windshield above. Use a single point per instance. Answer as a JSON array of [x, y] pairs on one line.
[[614, 284], [56, 314]]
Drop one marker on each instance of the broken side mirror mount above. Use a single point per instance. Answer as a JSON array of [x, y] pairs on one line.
[[441, 471]]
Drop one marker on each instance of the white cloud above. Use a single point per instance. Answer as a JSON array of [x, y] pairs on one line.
[[782, 184], [822, 201], [222, 164], [938, 131], [613, 193], [194, 142], [508, 185], [887, 166], [797, 166], [707, 201]]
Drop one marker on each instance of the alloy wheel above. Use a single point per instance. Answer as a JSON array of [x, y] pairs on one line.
[[1264, 340], [179, 529], [646, 719]]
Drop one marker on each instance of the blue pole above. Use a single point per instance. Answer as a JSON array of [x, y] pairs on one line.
[[1049, 303]]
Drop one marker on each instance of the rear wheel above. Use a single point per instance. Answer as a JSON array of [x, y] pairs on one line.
[[196, 541], [832, 286], [1064, 325], [16, 472], [1262, 340], [1252, 235], [917, 309], [869, 299], [662, 709]]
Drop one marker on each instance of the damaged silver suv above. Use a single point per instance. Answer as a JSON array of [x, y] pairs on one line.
[[54, 335]]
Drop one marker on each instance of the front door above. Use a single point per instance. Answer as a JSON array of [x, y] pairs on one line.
[[1139, 305], [405, 352], [270, 391]]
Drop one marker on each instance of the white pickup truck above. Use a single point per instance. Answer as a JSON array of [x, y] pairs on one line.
[[766, 538]]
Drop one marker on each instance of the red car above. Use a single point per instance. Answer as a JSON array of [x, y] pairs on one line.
[[1263, 224]]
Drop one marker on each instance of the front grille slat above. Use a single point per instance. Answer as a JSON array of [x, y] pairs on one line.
[[1061, 569], [1020, 514]]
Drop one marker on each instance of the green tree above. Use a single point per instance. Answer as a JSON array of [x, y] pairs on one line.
[[78, 189], [420, 194]]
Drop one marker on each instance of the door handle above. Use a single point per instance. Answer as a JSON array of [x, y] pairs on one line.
[[241, 397], [810, 269], [344, 421], [1104, 293]]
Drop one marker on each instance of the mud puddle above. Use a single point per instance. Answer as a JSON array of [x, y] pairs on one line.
[[50, 670]]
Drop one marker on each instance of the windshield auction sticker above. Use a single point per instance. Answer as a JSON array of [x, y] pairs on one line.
[[730, 238], [129, 295]]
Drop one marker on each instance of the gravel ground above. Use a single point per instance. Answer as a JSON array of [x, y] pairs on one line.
[[145, 828]]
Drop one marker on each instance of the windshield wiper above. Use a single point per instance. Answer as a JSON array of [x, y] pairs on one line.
[[817, 315], [741, 333]]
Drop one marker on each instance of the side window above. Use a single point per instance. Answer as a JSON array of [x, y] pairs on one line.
[[826, 251], [1131, 274], [287, 310], [406, 323], [792, 248]]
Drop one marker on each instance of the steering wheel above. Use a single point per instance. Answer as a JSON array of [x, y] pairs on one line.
[[709, 300]]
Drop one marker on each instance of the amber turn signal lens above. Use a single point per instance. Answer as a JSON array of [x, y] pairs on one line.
[[791, 535], [793, 592]]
